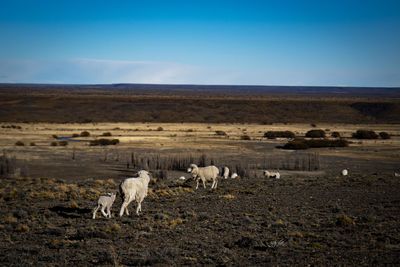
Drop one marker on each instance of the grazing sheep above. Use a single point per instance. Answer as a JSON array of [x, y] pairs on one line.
[[205, 174], [105, 202], [396, 174], [182, 178], [134, 189], [345, 172], [271, 174], [234, 175], [226, 173]]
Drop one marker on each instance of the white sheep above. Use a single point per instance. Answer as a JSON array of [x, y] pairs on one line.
[[226, 173], [344, 172], [234, 175], [182, 178], [135, 188], [105, 202], [271, 174], [396, 174], [205, 174]]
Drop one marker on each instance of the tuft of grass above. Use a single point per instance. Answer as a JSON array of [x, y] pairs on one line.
[[176, 222], [245, 137], [344, 220], [297, 234], [73, 204], [228, 196], [106, 134], [22, 228], [317, 245], [53, 143], [384, 135], [32, 144], [11, 219], [63, 143]]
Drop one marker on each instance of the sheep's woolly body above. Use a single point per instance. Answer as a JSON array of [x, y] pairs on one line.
[[135, 188], [209, 173], [345, 172], [105, 202]]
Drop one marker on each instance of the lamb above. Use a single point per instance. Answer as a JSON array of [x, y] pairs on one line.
[[271, 174], [105, 202], [205, 174], [135, 188], [345, 172], [234, 175], [226, 173]]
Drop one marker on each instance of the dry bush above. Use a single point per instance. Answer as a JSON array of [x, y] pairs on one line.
[[316, 133], [53, 143], [75, 135], [220, 133], [63, 143], [384, 135], [275, 134], [85, 134], [106, 134], [245, 137], [104, 142], [365, 134], [19, 143], [335, 134]]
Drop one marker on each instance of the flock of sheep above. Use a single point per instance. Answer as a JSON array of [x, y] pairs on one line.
[[136, 188]]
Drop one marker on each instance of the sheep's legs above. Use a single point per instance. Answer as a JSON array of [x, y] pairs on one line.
[[197, 184], [139, 208], [94, 212], [102, 211], [204, 183]]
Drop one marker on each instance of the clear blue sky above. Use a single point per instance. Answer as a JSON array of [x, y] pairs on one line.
[[321, 42]]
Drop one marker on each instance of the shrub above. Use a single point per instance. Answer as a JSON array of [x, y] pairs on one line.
[[104, 142], [75, 135], [275, 134], [19, 143], [220, 133], [63, 143], [315, 133], [53, 143], [85, 134], [54, 136], [245, 137], [365, 134], [384, 135], [32, 144], [335, 134], [160, 128], [106, 134], [315, 143]]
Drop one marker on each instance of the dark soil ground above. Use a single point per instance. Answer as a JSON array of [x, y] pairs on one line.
[[297, 220]]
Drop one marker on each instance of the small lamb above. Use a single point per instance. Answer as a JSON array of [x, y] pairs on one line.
[[345, 172], [234, 175], [271, 174], [105, 202]]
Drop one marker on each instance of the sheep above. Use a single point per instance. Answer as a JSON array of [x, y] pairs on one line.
[[205, 174], [344, 172], [105, 202], [234, 175], [271, 174], [396, 174], [226, 173], [182, 178], [135, 188]]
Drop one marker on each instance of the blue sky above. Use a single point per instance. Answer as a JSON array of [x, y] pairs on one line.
[[334, 43]]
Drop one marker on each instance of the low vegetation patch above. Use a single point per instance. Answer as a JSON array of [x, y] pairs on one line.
[[245, 137], [315, 143], [220, 133], [335, 134], [104, 142], [275, 134], [106, 134]]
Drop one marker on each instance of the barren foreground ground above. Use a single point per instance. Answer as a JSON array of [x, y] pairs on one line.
[[306, 217]]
